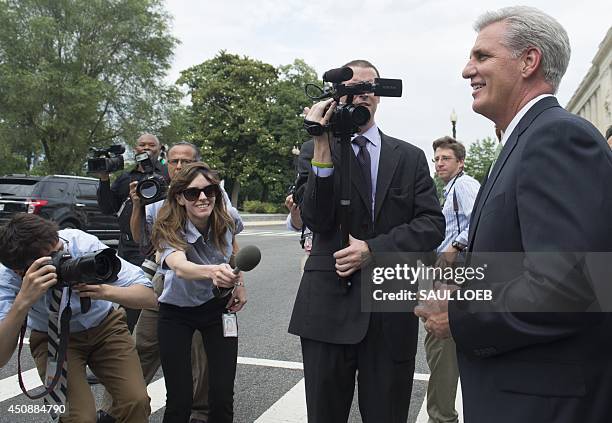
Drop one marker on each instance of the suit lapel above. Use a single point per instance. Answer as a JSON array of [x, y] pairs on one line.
[[390, 159], [524, 123]]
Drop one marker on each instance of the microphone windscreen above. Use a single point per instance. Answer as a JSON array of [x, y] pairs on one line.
[[338, 75], [247, 258]]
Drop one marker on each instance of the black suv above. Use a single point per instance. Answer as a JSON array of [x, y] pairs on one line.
[[69, 200]]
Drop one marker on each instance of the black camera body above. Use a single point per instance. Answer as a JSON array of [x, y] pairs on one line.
[[95, 268], [106, 160], [347, 118], [153, 187]]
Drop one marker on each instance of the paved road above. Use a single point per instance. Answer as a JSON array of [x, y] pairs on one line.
[[269, 386]]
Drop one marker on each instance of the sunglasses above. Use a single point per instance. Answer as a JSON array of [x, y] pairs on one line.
[[192, 194]]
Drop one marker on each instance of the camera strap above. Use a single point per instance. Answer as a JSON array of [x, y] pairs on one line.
[[55, 389]]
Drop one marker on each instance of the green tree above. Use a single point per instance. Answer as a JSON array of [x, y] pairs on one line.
[[479, 157], [246, 118], [80, 73]]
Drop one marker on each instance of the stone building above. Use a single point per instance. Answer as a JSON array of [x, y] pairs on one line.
[[593, 98]]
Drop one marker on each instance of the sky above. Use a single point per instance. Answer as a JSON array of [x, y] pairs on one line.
[[424, 43]]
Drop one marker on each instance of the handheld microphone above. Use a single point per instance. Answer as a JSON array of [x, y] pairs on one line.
[[246, 259], [338, 75]]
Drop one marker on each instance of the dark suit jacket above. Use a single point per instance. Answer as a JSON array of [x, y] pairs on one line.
[[407, 218], [549, 191]]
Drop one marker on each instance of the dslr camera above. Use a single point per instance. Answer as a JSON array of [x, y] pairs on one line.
[[347, 118], [94, 268], [154, 186], [105, 160]]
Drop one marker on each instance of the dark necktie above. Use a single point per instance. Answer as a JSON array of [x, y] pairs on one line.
[[364, 160], [56, 399]]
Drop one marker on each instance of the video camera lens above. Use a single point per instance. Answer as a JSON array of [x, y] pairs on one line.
[[106, 160]]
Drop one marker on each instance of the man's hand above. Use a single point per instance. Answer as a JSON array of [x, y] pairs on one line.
[[136, 203], [294, 210], [435, 312], [104, 176], [317, 113], [95, 292], [447, 257], [37, 280], [350, 259]]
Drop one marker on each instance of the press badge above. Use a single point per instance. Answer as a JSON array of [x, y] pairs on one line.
[[230, 325]]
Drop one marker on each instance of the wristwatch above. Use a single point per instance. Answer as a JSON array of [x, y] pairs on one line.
[[459, 246]]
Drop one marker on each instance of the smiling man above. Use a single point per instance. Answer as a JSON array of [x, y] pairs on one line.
[[393, 208], [548, 191]]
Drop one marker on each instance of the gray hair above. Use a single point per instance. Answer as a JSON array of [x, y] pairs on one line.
[[530, 27], [198, 156]]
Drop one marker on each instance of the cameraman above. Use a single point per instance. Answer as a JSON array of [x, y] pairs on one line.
[[393, 208], [115, 199], [98, 338]]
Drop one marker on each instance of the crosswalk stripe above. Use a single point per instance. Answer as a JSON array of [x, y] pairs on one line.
[[290, 408], [9, 387]]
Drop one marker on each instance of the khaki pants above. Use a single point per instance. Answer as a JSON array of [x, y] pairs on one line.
[[442, 388], [110, 352], [147, 345]]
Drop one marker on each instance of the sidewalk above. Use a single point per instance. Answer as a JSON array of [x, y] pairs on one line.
[[262, 219]]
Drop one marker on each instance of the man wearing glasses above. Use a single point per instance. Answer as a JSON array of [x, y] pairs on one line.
[[458, 196]]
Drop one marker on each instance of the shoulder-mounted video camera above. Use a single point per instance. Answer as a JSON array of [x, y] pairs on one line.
[[154, 186], [347, 118], [105, 160]]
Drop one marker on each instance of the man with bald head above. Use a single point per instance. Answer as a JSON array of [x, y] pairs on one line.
[[115, 199]]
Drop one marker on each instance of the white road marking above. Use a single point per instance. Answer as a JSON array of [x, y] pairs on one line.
[[290, 408], [9, 387]]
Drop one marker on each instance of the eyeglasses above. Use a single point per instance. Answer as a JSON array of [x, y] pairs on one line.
[[181, 161], [442, 159], [192, 194]]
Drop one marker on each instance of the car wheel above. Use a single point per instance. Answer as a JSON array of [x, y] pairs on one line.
[[68, 225]]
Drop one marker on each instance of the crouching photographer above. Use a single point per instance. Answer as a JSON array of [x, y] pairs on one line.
[[65, 335]]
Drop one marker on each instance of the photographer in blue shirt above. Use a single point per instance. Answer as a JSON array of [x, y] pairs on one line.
[[98, 337]]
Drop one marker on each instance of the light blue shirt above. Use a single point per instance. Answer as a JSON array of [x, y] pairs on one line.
[[373, 146], [79, 243], [465, 188], [192, 293]]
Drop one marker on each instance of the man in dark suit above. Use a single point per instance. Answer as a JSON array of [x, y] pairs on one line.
[[536, 354], [393, 209]]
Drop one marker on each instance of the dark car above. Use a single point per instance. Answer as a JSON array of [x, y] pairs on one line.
[[69, 200]]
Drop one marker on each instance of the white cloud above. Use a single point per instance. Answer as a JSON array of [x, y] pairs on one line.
[[425, 43]]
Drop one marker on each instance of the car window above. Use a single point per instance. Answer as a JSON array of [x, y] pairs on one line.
[[53, 189], [87, 191], [17, 187]]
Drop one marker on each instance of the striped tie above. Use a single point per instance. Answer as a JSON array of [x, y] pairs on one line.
[[56, 399]]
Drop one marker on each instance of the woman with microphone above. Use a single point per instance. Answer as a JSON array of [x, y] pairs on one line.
[[194, 234]]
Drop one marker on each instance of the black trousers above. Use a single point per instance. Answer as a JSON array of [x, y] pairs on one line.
[[175, 329], [384, 385]]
